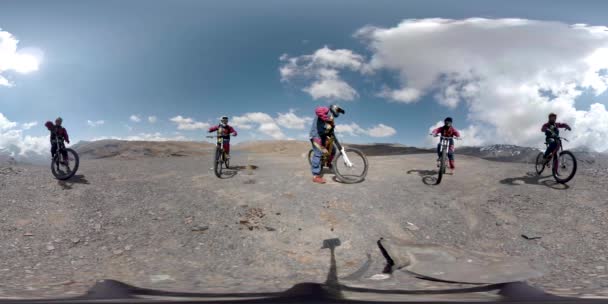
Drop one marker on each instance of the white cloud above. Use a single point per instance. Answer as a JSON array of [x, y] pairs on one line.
[[5, 123], [14, 59], [29, 125], [497, 69], [291, 121], [95, 123], [265, 124], [405, 95], [152, 119], [353, 129], [382, 130], [16, 143], [323, 67], [186, 123], [135, 118], [128, 127]]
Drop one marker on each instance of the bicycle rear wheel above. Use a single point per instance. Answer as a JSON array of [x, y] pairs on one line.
[[311, 153], [565, 169], [62, 168], [353, 173], [226, 161], [217, 164], [540, 163]]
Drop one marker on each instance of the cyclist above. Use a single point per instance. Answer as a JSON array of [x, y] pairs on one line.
[[321, 127], [57, 131], [224, 130], [447, 130], [551, 130]]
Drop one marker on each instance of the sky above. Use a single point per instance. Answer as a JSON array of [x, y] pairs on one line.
[[159, 70]]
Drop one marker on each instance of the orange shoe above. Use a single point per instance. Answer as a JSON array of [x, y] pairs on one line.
[[318, 179]]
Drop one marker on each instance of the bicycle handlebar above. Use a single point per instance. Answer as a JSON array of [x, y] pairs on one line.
[[445, 137]]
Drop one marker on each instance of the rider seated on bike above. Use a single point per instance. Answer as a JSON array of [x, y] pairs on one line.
[[57, 131], [224, 130], [551, 130], [322, 126], [447, 130]]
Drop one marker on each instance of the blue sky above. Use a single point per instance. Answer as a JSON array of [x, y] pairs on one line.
[[108, 60]]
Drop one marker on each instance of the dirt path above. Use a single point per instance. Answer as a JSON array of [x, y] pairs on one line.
[[170, 223]]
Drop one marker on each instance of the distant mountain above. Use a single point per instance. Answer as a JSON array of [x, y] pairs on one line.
[[504, 153], [134, 149]]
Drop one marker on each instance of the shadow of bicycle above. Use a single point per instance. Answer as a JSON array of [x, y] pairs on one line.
[[428, 176], [76, 179], [234, 170], [531, 178]]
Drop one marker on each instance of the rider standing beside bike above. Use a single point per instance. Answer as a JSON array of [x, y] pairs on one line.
[[57, 131], [322, 125], [447, 130], [551, 130], [224, 130]]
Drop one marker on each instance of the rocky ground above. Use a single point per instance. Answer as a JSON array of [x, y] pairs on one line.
[[170, 223]]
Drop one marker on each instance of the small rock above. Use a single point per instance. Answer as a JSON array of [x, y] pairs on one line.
[[50, 247], [412, 227], [28, 234], [380, 276], [270, 228], [117, 252], [75, 240], [199, 228], [160, 277], [128, 247], [278, 213]]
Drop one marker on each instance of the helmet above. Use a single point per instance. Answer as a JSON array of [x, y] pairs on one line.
[[58, 120], [48, 124], [336, 110], [224, 120], [448, 119], [552, 115]]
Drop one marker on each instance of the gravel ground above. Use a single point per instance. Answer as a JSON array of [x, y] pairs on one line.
[[170, 223]]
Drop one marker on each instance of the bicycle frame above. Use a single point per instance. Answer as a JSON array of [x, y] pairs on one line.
[[333, 141]]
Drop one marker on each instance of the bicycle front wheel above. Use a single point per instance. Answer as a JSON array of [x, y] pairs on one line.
[[540, 163], [65, 168], [441, 168], [351, 166], [217, 164], [565, 168]]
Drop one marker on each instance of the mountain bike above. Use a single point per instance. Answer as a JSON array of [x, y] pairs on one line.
[[445, 145], [220, 160], [563, 162], [349, 164], [65, 161]]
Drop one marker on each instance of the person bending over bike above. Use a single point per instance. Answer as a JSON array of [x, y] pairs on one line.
[[224, 130], [447, 130], [57, 131], [551, 130], [322, 125]]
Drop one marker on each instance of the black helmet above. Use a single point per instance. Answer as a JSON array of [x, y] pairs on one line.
[[336, 110], [448, 119], [552, 115]]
